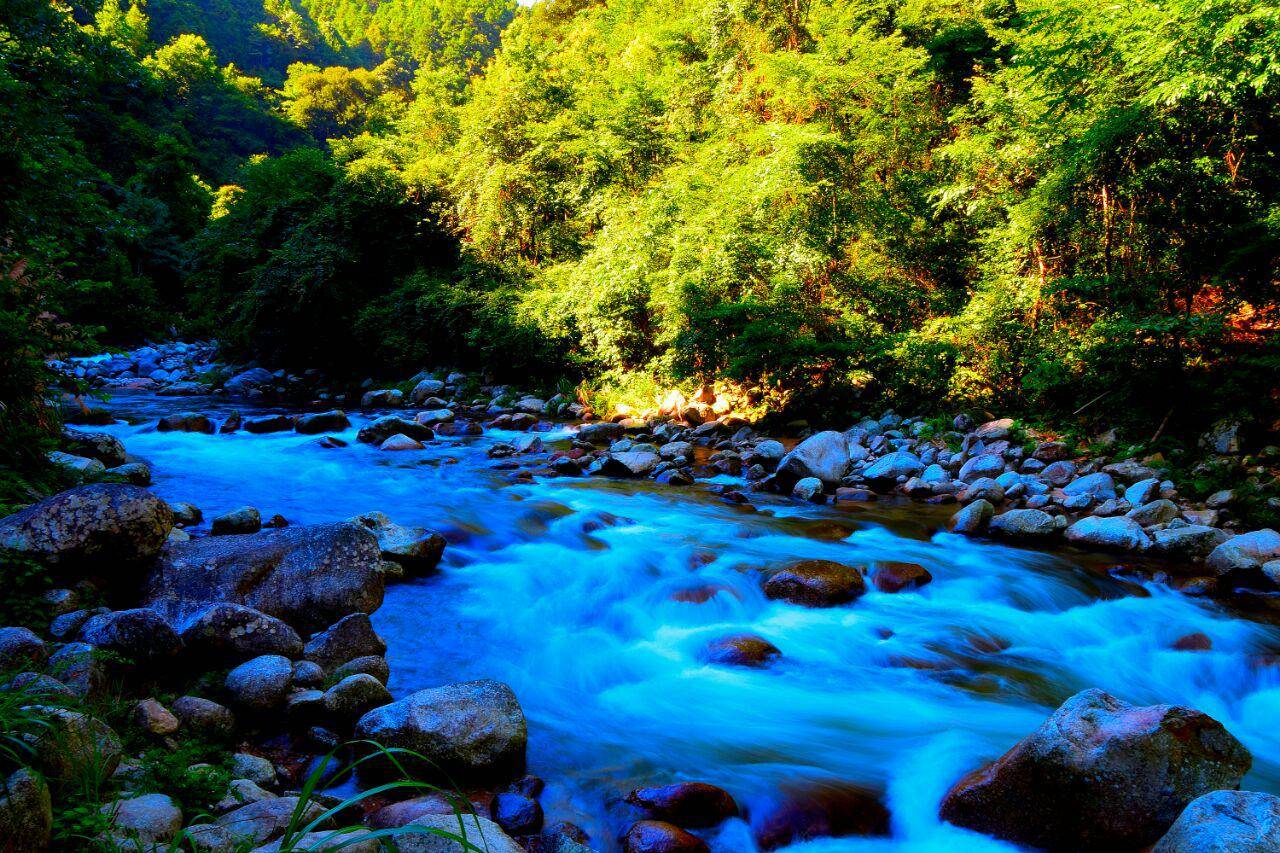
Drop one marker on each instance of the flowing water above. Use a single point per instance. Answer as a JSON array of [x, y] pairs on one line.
[[576, 592]]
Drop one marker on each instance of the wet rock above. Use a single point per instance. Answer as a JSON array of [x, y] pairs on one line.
[[1156, 512], [334, 420], [655, 836], [374, 665], [895, 577], [1120, 533], [104, 447], [1225, 822], [1098, 486], [823, 456], [981, 466], [146, 818], [1143, 492], [809, 489], [481, 833], [141, 635], [185, 514], [687, 804], [20, 648], [101, 525], [815, 583], [244, 383], [406, 811], [227, 633], [353, 696], [1244, 552], [983, 489], [186, 422], [232, 424], [400, 441], [600, 433], [1193, 542], [1059, 473], [349, 638], [73, 743], [897, 464], [82, 467], [1197, 642], [261, 684], [385, 427], [416, 548], [1026, 524], [204, 718], [516, 814], [434, 417], [26, 813], [308, 576], [830, 811], [245, 519], [748, 650], [134, 473], [269, 423], [1099, 774], [973, 519], [474, 731], [629, 464]]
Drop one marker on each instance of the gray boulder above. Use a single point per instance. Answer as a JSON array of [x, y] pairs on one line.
[[227, 633], [892, 466], [334, 420], [416, 548], [104, 526], [1026, 524], [245, 519], [389, 425], [474, 732], [1192, 542], [141, 635], [261, 684], [440, 832], [1244, 552], [354, 696], [254, 379], [1099, 486], [349, 638], [146, 818], [204, 717], [21, 648], [424, 389], [104, 447], [983, 465], [1155, 512], [1117, 532], [265, 820], [73, 743], [1225, 822], [308, 576], [186, 422], [973, 519], [824, 455]]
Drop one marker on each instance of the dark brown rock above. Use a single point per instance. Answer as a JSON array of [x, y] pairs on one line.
[[895, 577], [655, 836], [687, 804], [741, 650], [829, 811], [816, 583]]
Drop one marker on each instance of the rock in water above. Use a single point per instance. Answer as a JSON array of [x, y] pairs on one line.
[[97, 526], [816, 583], [687, 804], [334, 420], [824, 456], [416, 548], [1226, 822], [309, 576], [474, 732], [1119, 532], [1099, 774]]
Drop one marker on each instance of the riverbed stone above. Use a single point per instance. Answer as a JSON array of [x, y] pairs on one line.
[[973, 519], [375, 665], [1192, 542], [1117, 532], [245, 519], [749, 650], [204, 717], [416, 548], [102, 446], [145, 818], [686, 804], [186, 422], [26, 813], [1155, 512], [154, 718], [314, 423], [1244, 552], [228, 633], [656, 836], [385, 427], [1058, 473], [21, 648], [140, 635], [600, 433], [266, 820], [1225, 822], [400, 441], [897, 576], [309, 576], [1026, 524], [516, 813], [982, 466], [349, 638], [824, 456], [354, 696], [81, 668], [474, 731], [889, 468], [73, 742], [108, 526], [806, 813], [261, 684], [1099, 774], [268, 423], [631, 463], [816, 583], [245, 382], [808, 489], [1098, 486], [480, 832]]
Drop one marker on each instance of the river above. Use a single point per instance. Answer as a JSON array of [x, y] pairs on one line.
[[576, 593]]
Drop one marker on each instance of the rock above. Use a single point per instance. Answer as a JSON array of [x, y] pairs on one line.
[[894, 465], [240, 792], [1225, 822], [973, 519], [479, 832], [983, 489], [26, 813], [516, 813], [416, 548], [687, 804], [147, 818], [600, 433], [73, 743], [1244, 552], [349, 638], [474, 731], [406, 811], [424, 389], [246, 519], [261, 684], [1222, 437], [824, 456], [354, 696], [227, 633], [1118, 533], [185, 514], [895, 577], [21, 648], [982, 466], [434, 417], [1025, 524], [141, 635], [204, 718], [352, 839], [334, 420], [629, 464], [104, 447], [1059, 473], [1220, 499], [104, 525], [269, 423], [255, 768], [308, 576], [83, 468], [1143, 491], [231, 424], [81, 668], [808, 489], [154, 718], [741, 650], [254, 379], [815, 583], [829, 811], [993, 430], [1099, 486], [1098, 774], [384, 397], [655, 836], [1193, 542], [133, 473], [769, 451], [1156, 512], [400, 441], [1051, 451], [186, 422], [267, 819], [1197, 642], [386, 427]]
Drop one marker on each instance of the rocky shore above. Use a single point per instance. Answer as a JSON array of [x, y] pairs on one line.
[[253, 637]]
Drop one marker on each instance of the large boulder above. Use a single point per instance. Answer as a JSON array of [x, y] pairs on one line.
[[389, 425], [424, 389], [261, 684], [1025, 524], [416, 548], [973, 519], [349, 638], [631, 463], [1119, 533], [72, 743], [26, 813], [1246, 551], [186, 422], [248, 381], [980, 466], [440, 831], [227, 633], [891, 467], [816, 583], [104, 447], [334, 420], [473, 732], [824, 455], [1098, 486], [1099, 774], [147, 818], [1192, 542], [141, 635], [100, 526], [687, 804], [308, 576], [1225, 822]]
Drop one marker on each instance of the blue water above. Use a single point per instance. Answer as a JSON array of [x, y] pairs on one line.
[[563, 589]]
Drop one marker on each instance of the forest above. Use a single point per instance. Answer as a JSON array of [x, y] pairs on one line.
[[1057, 210]]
